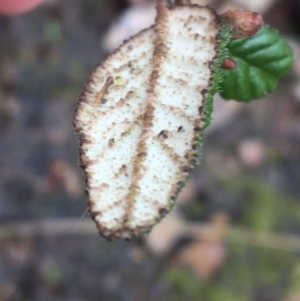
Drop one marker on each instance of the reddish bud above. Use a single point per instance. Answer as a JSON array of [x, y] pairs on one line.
[[243, 23], [228, 64]]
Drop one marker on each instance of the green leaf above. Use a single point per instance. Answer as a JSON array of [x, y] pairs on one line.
[[261, 61]]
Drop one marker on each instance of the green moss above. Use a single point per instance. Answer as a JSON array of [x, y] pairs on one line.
[[264, 207], [183, 285]]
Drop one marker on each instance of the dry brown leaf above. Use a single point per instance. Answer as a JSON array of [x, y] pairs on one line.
[[133, 20], [204, 257], [164, 235], [61, 174]]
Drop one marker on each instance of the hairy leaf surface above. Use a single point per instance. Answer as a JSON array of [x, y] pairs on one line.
[[140, 117]]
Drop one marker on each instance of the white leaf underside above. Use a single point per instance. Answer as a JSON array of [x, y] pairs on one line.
[[139, 118]]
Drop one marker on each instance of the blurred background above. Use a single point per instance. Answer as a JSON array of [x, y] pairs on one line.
[[235, 233]]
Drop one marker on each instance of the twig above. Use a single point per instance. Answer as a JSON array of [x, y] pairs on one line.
[[74, 226], [32, 228], [280, 241]]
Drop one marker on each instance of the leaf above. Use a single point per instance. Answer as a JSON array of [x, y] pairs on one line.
[[140, 117], [261, 61]]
